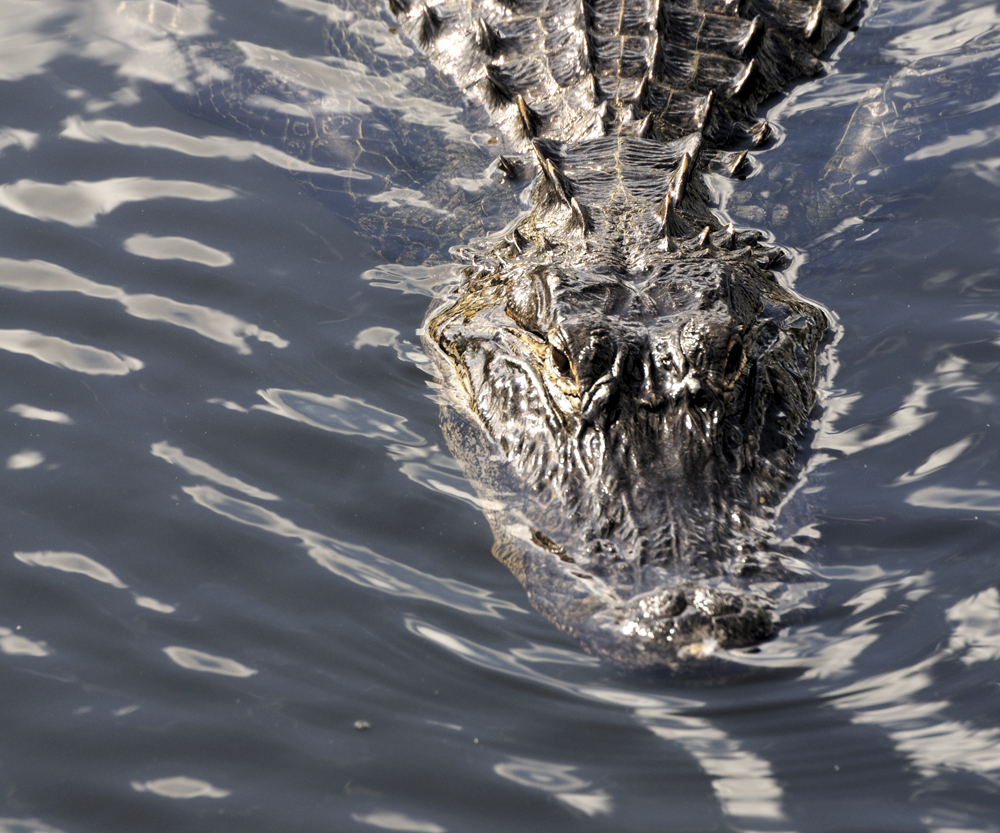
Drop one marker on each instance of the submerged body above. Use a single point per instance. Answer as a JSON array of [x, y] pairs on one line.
[[622, 376], [624, 380]]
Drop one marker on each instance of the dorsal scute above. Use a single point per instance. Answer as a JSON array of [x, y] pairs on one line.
[[664, 57], [614, 78]]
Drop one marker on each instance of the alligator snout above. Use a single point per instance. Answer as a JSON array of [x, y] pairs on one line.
[[692, 619]]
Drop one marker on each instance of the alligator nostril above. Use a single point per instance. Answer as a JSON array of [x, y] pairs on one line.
[[560, 360], [638, 372], [701, 399], [735, 358]]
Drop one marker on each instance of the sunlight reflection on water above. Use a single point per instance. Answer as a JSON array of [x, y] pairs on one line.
[[40, 276], [81, 203], [81, 358]]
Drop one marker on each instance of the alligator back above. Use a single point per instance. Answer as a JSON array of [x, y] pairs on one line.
[[570, 69]]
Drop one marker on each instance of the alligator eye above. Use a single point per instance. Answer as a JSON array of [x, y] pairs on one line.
[[734, 359], [526, 302], [560, 360]]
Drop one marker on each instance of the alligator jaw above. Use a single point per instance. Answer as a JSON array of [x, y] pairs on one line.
[[645, 616], [630, 437]]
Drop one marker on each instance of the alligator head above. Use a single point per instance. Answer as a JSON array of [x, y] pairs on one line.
[[630, 421]]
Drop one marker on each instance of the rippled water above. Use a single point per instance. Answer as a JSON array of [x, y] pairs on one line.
[[244, 586]]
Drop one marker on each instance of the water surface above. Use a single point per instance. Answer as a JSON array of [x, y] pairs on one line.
[[245, 587]]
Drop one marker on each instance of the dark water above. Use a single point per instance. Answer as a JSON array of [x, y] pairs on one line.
[[231, 530]]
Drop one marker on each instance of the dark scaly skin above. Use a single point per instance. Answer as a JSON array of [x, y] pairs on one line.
[[622, 378]]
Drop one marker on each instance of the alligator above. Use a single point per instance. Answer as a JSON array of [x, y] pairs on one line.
[[624, 377]]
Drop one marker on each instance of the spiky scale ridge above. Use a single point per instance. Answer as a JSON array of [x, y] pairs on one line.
[[428, 24], [735, 163], [687, 66], [760, 132], [704, 111], [814, 20], [680, 178], [528, 120], [511, 168], [749, 43], [666, 214], [487, 38], [497, 86], [741, 82], [578, 217]]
